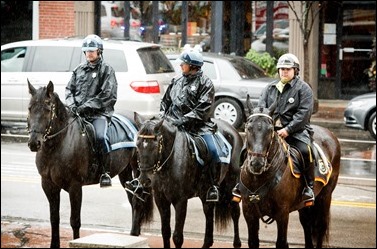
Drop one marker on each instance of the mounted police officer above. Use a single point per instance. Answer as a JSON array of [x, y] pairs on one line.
[[92, 93], [292, 116], [189, 102]]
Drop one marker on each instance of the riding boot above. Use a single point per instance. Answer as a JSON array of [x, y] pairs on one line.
[[105, 180], [236, 193], [308, 193], [213, 191]]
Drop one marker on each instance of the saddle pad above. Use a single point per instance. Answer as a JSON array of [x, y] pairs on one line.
[[322, 169], [223, 148], [121, 134]]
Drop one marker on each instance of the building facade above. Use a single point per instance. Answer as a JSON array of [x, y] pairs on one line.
[[340, 45]]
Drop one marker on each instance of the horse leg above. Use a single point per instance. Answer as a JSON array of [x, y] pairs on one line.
[[236, 213], [180, 218], [53, 196], [163, 206], [75, 197], [208, 209], [282, 225], [252, 221]]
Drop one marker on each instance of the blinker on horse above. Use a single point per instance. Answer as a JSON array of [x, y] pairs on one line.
[[64, 158], [271, 186]]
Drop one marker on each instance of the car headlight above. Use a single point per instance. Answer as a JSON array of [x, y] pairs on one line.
[[356, 104]]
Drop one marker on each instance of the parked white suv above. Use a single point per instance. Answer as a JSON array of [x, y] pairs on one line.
[[142, 70]]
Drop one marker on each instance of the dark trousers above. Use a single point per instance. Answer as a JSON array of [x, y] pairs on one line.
[[303, 148]]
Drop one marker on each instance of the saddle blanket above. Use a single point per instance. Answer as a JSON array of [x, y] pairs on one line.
[[322, 169], [121, 134], [223, 147]]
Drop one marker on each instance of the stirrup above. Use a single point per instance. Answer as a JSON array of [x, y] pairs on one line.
[[105, 180], [212, 194], [308, 196]]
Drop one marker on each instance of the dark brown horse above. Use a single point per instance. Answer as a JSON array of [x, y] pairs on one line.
[[168, 164], [64, 158], [271, 189]]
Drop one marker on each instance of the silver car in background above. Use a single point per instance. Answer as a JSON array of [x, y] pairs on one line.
[[234, 77], [360, 113]]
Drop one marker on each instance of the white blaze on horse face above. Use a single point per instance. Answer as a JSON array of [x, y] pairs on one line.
[[145, 144]]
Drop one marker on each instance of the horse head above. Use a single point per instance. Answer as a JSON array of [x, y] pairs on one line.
[[150, 147], [43, 111], [260, 134]]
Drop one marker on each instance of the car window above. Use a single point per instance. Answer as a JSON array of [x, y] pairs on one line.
[[209, 70], [12, 60], [155, 61], [246, 69], [116, 59], [52, 59]]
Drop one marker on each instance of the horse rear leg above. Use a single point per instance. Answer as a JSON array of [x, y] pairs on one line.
[[75, 197], [53, 196]]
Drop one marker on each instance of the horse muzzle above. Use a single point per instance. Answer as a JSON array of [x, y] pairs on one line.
[[34, 143], [257, 165]]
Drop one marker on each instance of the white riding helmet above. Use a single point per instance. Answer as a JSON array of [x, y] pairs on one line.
[[288, 61]]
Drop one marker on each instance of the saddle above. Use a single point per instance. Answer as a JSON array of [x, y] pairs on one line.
[[201, 151], [121, 133], [322, 169]]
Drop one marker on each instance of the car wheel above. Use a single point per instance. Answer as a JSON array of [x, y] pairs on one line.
[[372, 125], [229, 110]]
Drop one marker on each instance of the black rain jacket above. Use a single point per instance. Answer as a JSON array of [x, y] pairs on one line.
[[190, 98], [294, 108], [94, 87]]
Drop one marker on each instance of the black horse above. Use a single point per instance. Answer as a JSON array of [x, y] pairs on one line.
[[271, 186], [64, 158], [168, 164]]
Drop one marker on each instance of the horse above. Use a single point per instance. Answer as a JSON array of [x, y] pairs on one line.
[[271, 188], [64, 157], [168, 164]]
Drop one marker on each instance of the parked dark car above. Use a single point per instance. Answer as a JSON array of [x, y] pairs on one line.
[[234, 77], [360, 113]]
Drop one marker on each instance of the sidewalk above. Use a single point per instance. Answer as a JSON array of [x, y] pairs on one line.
[[33, 234]]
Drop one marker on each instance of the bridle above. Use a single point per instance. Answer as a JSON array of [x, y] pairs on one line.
[[46, 134], [157, 166], [263, 155]]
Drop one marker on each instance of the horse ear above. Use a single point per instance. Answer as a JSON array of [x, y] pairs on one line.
[[32, 89], [158, 126], [138, 119], [50, 89], [249, 104]]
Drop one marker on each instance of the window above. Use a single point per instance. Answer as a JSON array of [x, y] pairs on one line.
[[53, 59], [155, 61], [12, 60]]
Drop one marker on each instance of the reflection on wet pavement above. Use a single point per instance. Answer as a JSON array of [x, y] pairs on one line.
[[358, 159]]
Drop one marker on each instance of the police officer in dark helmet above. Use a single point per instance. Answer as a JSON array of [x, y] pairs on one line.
[[188, 103], [292, 115], [92, 93]]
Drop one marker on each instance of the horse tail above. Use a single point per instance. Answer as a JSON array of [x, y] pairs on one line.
[[222, 215]]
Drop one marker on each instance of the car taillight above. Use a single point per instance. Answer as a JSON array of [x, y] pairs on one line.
[[145, 86]]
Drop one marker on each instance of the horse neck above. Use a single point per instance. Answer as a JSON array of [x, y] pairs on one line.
[[277, 154]]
